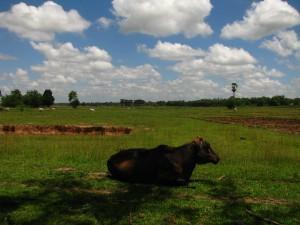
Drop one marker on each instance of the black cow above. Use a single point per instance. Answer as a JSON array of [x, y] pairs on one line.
[[163, 164]]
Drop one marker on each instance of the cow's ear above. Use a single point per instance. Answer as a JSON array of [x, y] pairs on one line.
[[198, 140]]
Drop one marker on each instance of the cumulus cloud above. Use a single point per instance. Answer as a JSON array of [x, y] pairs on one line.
[[192, 88], [263, 86], [105, 22], [218, 60], [220, 54], [17, 80], [285, 43], [65, 64], [91, 72], [163, 18], [204, 75], [262, 19], [60, 54], [171, 51], [232, 65], [253, 80], [43, 22], [294, 88], [4, 57]]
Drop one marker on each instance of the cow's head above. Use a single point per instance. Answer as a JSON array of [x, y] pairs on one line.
[[204, 152]]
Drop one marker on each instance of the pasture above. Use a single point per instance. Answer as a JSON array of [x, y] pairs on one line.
[[61, 180]]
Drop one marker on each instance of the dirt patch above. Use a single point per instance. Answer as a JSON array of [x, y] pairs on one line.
[[284, 125], [96, 175], [92, 191], [248, 200], [65, 170], [63, 129]]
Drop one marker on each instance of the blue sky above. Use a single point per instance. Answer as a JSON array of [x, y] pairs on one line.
[[150, 49]]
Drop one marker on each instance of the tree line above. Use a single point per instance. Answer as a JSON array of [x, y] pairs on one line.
[[31, 98], [278, 100], [35, 99]]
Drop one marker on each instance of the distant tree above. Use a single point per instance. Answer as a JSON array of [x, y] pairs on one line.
[[72, 95], [139, 102], [232, 102], [296, 101], [73, 99], [33, 98], [278, 100], [48, 99], [234, 87], [126, 102], [13, 99]]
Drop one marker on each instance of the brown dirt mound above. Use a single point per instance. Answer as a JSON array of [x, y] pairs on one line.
[[284, 125], [63, 129]]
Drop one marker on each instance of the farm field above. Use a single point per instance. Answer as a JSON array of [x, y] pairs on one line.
[[61, 179]]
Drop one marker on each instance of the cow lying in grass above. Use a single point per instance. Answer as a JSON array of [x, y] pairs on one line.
[[161, 165]]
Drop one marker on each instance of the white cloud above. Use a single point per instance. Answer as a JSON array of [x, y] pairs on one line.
[[105, 22], [263, 86], [294, 87], [17, 80], [217, 53], [68, 61], [67, 65], [219, 60], [163, 18], [220, 54], [91, 72], [4, 57], [191, 88], [171, 51], [197, 74], [262, 19], [43, 22], [232, 65], [285, 43]]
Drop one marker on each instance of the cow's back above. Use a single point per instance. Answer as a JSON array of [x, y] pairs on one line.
[[136, 164], [132, 165]]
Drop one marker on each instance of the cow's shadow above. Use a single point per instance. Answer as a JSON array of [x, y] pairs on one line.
[[69, 199]]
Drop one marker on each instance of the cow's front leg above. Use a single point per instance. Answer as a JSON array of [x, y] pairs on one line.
[[182, 182], [171, 175]]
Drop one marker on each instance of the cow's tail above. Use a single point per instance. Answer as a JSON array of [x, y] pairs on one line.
[[110, 167]]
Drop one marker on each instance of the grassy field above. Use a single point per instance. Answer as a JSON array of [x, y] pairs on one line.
[[60, 179]]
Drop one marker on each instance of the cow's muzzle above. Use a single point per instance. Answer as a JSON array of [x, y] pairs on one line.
[[215, 160]]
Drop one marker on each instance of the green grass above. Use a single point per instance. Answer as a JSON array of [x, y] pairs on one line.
[[260, 173]]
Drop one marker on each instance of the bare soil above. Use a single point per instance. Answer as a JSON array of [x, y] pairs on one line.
[[63, 129], [291, 126], [248, 200]]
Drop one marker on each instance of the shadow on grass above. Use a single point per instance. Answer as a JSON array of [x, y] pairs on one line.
[[69, 199], [234, 208]]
